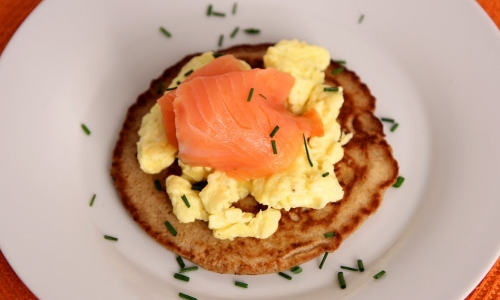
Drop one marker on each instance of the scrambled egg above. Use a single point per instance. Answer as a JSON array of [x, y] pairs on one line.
[[298, 186]]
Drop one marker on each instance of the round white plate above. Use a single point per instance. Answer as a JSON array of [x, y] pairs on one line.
[[432, 65]]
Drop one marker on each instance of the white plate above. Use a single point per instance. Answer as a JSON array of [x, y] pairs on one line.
[[433, 66]]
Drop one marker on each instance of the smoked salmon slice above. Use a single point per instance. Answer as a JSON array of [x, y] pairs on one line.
[[220, 65], [225, 122]]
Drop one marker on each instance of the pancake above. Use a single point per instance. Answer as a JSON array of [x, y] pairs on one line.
[[366, 171]]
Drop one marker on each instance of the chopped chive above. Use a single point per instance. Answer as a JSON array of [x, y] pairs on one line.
[[171, 228], [250, 94], [241, 284], [185, 199], [185, 296], [394, 127], [341, 280], [331, 89], [184, 270], [349, 268], [92, 200], [198, 186], [218, 54], [285, 275], [221, 40], [252, 31], [180, 261], [181, 277], [330, 234], [159, 88], [188, 73], [325, 174], [158, 185], [388, 120], [165, 32], [273, 144], [379, 274], [209, 9], [263, 96], [235, 31], [218, 14], [361, 18], [276, 128], [85, 129], [178, 82], [296, 270], [399, 182], [337, 71], [361, 267], [307, 150], [340, 62], [235, 7], [323, 260], [111, 238], [171, 89]]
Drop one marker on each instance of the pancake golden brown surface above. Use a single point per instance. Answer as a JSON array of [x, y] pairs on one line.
[[366, 171]]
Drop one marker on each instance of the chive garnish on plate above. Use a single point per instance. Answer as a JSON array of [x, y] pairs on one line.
[[330, 234], [184, 270], [252, 30], [379, 274], [284, 275], [85, 129], [186, 296], [235, 31], [171, 228], [394, 127], [185, 199], [165, 32], [325, 174], [296, 269], [111, 238], [388, 120], [337, 70], [180, 261], [273, 144], [158, 185], [209, 9], [349, 268], [241, 284], [235, 8], [340, 61], [331, 89], [361, 267], [250, 94], [399, 182], [307, 150], [361, 18], [181, 277], [275, 130], [323, 260], [342, 284], [221, 40], [218, 14], [92, 200]]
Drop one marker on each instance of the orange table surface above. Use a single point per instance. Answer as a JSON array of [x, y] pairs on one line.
[[13, 13]]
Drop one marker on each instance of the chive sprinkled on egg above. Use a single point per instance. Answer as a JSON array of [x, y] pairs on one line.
[[110, 238], [337, 70], [85, 129], [218, 54], [188, 73], [235, 8], [361, 267], [181, 277], [349, 268], [399, 182], [296, 270], [325, 174], [190, 269], [180, 261], [341, 278], [187, 297], [307, 150], [275, 130], [323, 260], [241, 284], [273, 144], [171, 228], [394, 127], [235, 31], [92, 200], [158, 185], [250, 94], [165, 32], [185, 199], [330, 234], [331, 89], [379, 274], [284, 275], [171, 89], [198, 186], [252, 31]]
